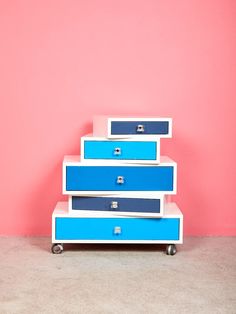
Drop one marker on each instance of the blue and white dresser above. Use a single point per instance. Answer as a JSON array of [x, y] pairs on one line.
[[116, 189]]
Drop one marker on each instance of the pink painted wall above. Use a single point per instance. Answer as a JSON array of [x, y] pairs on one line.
[[61, 62]]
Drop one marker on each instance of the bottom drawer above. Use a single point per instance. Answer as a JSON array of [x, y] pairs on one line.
[[73, 228]]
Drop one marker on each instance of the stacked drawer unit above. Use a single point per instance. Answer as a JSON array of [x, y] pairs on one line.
[[116, 189]]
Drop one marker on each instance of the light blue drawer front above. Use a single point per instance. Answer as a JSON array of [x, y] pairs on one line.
[[77, 228], [120, 178], [120, 150]]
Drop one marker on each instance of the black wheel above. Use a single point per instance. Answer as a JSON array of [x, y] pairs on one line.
[[57, 248], [171, 249]]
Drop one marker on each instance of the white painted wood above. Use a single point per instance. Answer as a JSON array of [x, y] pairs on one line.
[[122, 195], [120, 241], [76, 161], [61, 206], [175, 180], [171, 211], [132, 194], [119, 214], [61, 209], [70, 203], [102, 126], [89, 137]]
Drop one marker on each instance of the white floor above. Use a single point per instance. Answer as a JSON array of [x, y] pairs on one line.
[[200, 278]]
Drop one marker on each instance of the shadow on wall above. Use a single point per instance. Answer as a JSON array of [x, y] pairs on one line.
[[191, 196], [48, 191]]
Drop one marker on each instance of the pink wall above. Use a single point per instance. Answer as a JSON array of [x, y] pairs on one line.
[[61, 62]]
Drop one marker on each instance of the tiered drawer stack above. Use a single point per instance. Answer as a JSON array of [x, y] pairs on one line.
[[117, 186]]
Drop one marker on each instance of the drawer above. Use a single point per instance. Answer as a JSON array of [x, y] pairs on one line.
[[126, 150], [118, 205], [97, 228], [81, 177], [82, 228], [126, 127]]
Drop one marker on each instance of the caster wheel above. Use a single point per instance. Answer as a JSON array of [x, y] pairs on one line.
[[57, 248], [171, 249]]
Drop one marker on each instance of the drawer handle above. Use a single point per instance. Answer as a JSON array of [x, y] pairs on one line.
[[120, 180], [140, 128], [117, 151], [117, 230], [114, 205]]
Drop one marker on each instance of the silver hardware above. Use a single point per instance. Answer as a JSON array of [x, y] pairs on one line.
[[140, 128], [114, 205], [117, 230], [120, 180], [117, 151]]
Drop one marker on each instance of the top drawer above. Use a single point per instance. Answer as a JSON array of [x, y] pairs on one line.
[[129, 127]]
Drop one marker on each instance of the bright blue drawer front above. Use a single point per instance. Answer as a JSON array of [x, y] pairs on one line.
[[123, 204], [104, 178], [128, 150], [104, 228], [130, 127]]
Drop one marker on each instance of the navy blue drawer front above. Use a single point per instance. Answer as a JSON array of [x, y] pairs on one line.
[[139, 127], [119, 178], [116, 204]]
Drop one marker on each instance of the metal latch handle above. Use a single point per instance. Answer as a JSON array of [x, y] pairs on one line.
[[117, 230], [120, 180], [140, 128], [117, 151], [114, 204]]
